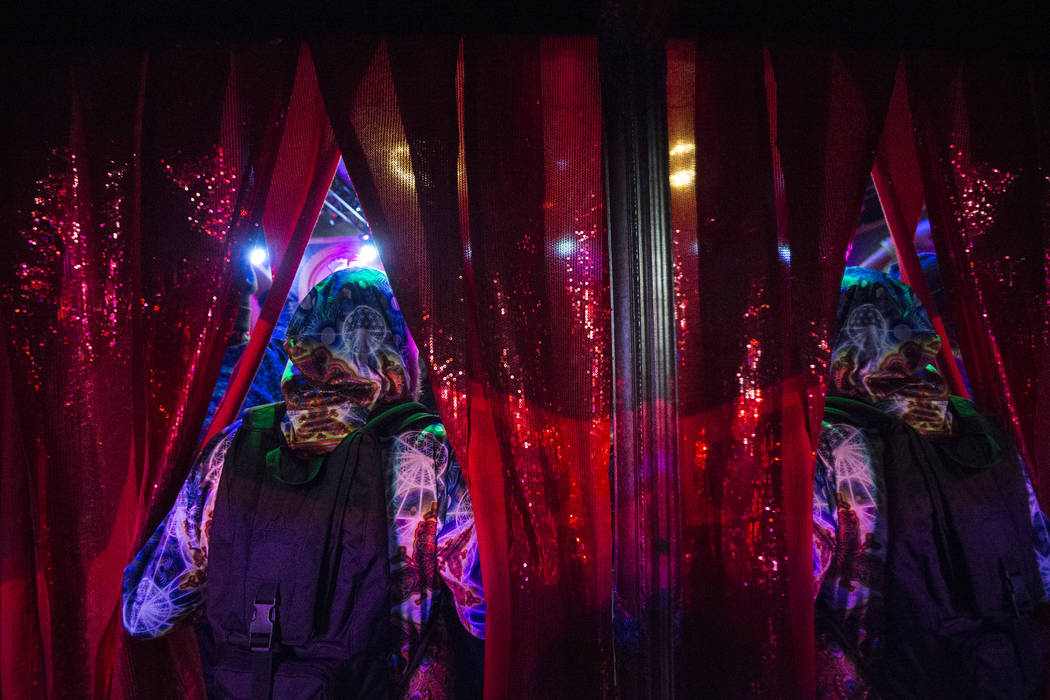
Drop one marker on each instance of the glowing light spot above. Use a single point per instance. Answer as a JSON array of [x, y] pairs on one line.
[[367, 254], [682, 178], [682, 148], [257, 256], [401, 164]]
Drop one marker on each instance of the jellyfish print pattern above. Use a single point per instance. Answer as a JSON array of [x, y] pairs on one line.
[[364, 331], [165, 581], [434, 542], [849, 547], [349, 351], [886, 353]]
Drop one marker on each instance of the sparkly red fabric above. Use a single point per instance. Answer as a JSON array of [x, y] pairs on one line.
[[983, 143], [782, 143], [135, 179], [479, 166], [479, 169]]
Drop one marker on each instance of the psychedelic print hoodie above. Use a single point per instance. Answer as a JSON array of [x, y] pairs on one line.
[[885, 354], [349, 352]]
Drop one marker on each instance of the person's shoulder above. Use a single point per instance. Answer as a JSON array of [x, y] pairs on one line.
[[846, 441], [213, 454], [423, 432]]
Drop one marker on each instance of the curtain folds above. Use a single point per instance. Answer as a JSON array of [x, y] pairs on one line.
[[139, 177], [300, 163], [982, 129], [136, 178], [782, 143], [478, 166]]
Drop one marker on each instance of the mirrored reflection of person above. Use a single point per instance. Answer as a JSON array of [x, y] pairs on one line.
[[341, 514], [931, 554]]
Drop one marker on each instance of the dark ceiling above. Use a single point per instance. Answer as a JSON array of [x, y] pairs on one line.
[[971, 26]]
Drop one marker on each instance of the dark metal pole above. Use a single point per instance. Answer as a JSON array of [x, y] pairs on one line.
[[647, 581]]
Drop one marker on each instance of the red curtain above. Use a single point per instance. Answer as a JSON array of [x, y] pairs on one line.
[[782, 143], [135, 178], [478, 166], [982, 130], [301, 168]]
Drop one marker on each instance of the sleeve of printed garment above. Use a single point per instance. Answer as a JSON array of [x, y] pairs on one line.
[[457, 553], [1041, 533], [165, 581], [431, 508], [847, 499], [825, 516]]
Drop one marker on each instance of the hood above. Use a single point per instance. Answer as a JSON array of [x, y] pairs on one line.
[[886, 352], [349, 351]]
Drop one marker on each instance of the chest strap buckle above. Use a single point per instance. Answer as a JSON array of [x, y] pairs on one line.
[[261, 631]]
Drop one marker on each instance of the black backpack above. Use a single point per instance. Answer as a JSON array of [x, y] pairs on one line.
[[961, 577], [298, 593]]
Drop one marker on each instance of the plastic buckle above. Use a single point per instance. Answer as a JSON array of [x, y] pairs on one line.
[[261, 629]]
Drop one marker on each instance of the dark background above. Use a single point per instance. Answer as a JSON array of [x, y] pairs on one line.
[[972, 26]]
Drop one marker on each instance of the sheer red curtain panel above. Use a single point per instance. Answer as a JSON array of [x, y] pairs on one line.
[[770, 152], [478, 165], [983, 142], [136, 177]]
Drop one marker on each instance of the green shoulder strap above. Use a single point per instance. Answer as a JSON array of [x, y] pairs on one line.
[[263, 417], [855, 411], [979, 442], [268, 418], [400, 417]]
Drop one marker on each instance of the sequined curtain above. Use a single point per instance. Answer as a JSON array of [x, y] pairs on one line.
[[132, 182], [982, 129], [478, 166], [300, 175], [770, 152]]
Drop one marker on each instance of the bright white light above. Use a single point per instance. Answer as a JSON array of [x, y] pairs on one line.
[[681, 148], [682, 178], [257, 256], [785, 252], [367, 253], [565, 247]]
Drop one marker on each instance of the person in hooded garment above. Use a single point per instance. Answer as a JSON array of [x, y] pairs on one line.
[[931, 555], [339, 517]]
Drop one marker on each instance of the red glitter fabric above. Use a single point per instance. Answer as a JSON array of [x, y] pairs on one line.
[[478, 165], [136, 177], [782, 143], [983, 144]]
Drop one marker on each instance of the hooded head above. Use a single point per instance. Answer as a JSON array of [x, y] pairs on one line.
[[885, 353], [349, 351]]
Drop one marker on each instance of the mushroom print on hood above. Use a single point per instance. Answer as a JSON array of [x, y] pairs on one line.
[[349, 351], [885, 353]]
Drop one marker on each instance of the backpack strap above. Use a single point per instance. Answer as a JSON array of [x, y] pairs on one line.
[[856, 412], [255, 436], [255, 440], [264, 417], [397, 419]]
